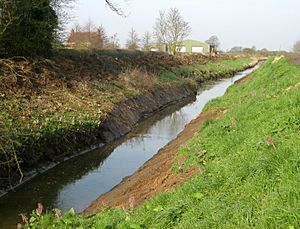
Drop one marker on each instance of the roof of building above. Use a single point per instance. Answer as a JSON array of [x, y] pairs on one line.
[[76, 37], [194, 42]]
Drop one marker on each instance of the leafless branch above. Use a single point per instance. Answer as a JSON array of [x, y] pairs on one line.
[[113, 6], [170, 30]]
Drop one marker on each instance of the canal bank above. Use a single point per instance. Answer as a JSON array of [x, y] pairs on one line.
[[100, 177], [39, 145], [157, 175]]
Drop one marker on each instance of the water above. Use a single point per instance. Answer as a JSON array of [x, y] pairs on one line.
[[79, 181]]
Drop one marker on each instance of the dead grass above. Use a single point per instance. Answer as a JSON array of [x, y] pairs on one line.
[[294, 58], [137, 78]]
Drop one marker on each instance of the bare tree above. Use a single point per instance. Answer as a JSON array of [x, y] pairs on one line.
[[133, 41], [170, 30], [161, 29], [87, 36], [113, 42], [296, 47], [104, 37], [214, 42], [77, 27], [114, 7], [89, 26], [62, 9], [147, 41]]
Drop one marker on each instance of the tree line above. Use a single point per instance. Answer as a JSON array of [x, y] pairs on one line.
[[33, 28], [168, 33]]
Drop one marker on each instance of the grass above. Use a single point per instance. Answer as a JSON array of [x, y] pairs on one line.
[[212, 70], [51, 108], [252, 166]]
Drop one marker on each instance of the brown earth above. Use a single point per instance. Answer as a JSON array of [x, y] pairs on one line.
[[154, 176], [243, 80]]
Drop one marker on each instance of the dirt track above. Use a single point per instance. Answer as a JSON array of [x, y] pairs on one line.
[[154, 176]]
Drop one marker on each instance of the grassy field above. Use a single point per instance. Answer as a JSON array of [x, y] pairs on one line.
[[50, 108], [249, 159]]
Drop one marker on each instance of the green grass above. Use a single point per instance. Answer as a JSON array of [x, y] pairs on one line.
[[252, 173], [212, 70], [170, 76]]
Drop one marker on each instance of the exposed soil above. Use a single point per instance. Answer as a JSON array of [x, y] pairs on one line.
[[154, 176], [125, 115], [243, 80]]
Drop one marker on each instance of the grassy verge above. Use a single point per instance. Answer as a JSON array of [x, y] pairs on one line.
[[251, 166], [51, 108], [211, 70]]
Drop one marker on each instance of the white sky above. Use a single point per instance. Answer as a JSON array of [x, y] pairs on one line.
[[271, 24]]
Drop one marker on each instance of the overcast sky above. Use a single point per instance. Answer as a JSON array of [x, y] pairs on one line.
[[271, 24]]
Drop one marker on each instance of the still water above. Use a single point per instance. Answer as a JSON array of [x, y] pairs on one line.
[[77, 182]]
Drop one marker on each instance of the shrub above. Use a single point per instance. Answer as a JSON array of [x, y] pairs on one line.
[[27, 27]]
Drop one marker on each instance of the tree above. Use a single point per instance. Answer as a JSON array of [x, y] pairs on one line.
[[61, 8], [296, 47], [113, 42], [214, 42], [87, 36], [77, 27], [89, 26], [248, 50], [27, 27], [236, 49], [102, 31], [133, 41], [147, 41], [170, 29], [264, 50], [113, 6]]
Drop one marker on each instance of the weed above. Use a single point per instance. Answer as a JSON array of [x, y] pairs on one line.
[[138, 79]]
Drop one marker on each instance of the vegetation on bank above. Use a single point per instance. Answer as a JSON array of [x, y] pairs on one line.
[[212, 70], [249, 159], [30, 28], [50, 108]]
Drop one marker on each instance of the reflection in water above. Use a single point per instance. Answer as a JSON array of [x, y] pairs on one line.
[[79, 181]]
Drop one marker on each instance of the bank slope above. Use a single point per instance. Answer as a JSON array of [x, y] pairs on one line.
[[51, 110], [250, 162]]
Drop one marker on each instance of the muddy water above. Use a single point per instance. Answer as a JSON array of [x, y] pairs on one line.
[[79, 181]]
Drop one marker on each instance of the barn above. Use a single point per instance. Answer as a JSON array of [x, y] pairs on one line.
[[193, 46]]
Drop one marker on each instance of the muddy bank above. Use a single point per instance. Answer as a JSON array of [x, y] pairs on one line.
[[154, 176], [127, 114]]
